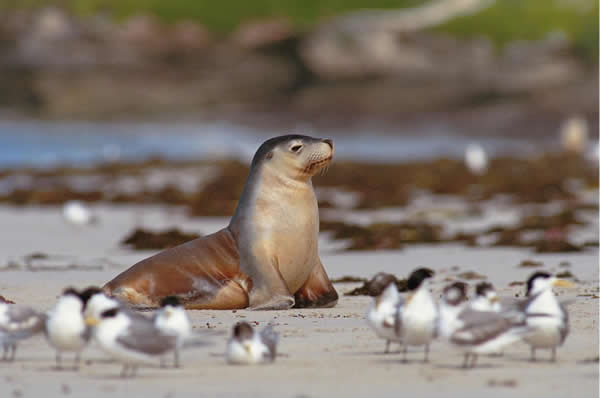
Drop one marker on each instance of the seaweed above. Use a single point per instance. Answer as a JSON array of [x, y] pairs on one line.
[[377, 284], [141, 239]]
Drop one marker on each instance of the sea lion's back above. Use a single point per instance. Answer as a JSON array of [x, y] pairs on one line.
[[193, 271]]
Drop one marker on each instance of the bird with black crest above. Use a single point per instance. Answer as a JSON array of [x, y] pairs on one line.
[[250, 347], [547, 318], [172, 319], [17, 322], [486, 298], [131, 340], [381, 315], [65, 329], [417, 315], [475, 332]]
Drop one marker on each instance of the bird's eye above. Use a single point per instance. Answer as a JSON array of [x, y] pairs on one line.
[[296, 148]]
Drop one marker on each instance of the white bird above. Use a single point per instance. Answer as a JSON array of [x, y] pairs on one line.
[[475, 332], [417, 315], [574, 134], [476, 159], [131, 340], [77, 213], [547, 319], [65, 326], [248, 347], [593, 154], [96, 302], [381, 316], [17, 323], [486, 298], [172, 319]]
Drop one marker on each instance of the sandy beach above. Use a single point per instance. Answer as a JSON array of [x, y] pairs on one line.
[[323, 352], [460, 136]]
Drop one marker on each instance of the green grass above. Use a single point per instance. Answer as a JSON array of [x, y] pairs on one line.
[[222, 15], [505, 21], [509, 20]]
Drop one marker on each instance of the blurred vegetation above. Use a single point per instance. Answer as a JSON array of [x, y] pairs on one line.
[[220, 16], [505, 21], [509, 20]]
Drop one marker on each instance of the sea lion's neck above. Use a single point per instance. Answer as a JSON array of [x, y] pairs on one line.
[[265, 187]]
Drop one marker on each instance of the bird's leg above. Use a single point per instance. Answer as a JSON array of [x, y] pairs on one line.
[[58, 360], [387, 347], [124, 370], [466, 361], [4, 352], [404, 351], [134, 369], [426, 353], [176, 359], [77, 360], [474, 360], [553, 358], [14, 351], [532, 354]]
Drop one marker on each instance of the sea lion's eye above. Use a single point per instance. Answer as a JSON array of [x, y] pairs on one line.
[[296, 148]]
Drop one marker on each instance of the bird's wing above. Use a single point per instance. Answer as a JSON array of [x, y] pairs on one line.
[[21, 319], [155, 315], [565, 303], [270, 337], [143, 336], [398, 316], [480, 326], [564, 326], [511, 303]]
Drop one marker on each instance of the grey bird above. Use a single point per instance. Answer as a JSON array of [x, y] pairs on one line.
[[547, 318], [17, 322], [248, 346], [476, 332], [131, 340]]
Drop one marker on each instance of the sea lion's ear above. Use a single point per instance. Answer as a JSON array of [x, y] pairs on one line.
[[269, 155]]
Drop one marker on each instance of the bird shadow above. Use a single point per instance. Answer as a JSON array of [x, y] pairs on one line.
[[90, 362], [378, 353], [57, 369], [216, 354], [523, 359], [461, 367], [401, 361], [117, 376], [147, 372]]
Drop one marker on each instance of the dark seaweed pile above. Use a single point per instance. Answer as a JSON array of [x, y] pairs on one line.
[[540, 180], [141, 239], [375, 285]]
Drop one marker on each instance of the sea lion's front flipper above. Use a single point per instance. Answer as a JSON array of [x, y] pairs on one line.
[[269, 291], [202, 273], [317, 291]]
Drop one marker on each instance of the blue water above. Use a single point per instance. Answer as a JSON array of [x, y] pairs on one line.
[[42, 143]]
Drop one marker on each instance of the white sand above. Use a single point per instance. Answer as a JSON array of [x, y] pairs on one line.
[[329, 352]]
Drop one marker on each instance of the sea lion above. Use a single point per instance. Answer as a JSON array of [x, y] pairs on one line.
[[266, 258]]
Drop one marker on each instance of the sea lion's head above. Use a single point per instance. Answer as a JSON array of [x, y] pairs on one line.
[[297, 156]]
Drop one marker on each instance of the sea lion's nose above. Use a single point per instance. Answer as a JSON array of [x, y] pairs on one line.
[[328, 142]]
